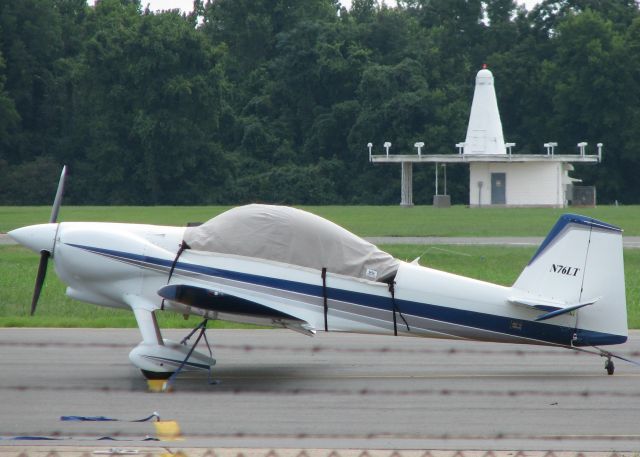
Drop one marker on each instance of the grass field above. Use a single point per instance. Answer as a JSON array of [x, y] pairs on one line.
[[496, 264], [362, 220], [18, 268]]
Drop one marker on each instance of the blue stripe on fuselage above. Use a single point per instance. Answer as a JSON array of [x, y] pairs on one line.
[[549, 333]]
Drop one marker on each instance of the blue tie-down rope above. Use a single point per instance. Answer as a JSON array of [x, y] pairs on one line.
[[53, 438], [155, 416], [31, 438]]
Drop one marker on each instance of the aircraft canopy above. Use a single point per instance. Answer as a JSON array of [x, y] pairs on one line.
[[292, 236]]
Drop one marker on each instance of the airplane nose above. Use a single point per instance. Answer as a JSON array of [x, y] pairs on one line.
[[38, 238]]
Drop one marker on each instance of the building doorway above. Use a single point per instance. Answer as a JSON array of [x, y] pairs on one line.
[[498, 188]]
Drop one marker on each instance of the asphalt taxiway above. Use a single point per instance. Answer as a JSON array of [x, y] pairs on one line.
[[280, 389]]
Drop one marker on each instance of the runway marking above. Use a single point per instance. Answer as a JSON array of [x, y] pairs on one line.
[[588, 436], [439, 376]]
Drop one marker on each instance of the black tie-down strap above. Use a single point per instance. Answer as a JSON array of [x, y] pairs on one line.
[[202, 327], [181, 249], [392, 289], [324, 297]]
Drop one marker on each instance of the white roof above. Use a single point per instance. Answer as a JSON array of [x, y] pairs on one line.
[[291, 236]]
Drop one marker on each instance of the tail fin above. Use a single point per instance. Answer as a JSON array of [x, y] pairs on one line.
[[579, 269]]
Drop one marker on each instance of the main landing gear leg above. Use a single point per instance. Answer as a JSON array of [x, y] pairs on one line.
[[151, 336]]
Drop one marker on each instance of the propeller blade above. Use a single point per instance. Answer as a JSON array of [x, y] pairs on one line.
[[42, 272], [58, 200], [44, 254]]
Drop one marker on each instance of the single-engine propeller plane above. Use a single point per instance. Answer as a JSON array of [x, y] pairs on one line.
[[283, 267]]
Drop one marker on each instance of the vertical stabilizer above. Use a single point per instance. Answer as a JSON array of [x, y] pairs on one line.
[[484, 133], [578, 270]]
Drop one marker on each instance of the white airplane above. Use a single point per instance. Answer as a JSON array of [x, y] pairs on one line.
[[283, 267]]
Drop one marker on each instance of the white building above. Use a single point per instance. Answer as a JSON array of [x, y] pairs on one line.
[[497, 177], [515, 183]]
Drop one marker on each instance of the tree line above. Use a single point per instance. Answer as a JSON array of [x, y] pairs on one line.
[[275, 100]]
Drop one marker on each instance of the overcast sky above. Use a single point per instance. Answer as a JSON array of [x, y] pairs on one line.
[[187, 5]]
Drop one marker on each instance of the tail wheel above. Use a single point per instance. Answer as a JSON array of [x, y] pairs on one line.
[[609, 366]]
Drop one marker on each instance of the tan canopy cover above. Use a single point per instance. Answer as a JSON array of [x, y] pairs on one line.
[[292, 236]]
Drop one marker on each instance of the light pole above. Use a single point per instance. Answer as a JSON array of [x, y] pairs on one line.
[[419, 145], [582, 145], [444, 166], [599, 152], [509, 146], [387, 145], [550, 147]]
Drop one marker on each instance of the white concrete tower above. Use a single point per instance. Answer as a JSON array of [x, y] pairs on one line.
[[484, 133]]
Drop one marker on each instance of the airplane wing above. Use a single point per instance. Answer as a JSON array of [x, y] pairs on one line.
[[221, 302], [552, 308]]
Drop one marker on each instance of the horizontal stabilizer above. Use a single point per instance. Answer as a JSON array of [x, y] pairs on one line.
[[553, 308], [558, 312], [212, 300]]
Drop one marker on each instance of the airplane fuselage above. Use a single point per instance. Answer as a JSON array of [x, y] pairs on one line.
[[124, 265]]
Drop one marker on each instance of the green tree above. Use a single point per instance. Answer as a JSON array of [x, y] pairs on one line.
[[31, 42], [592, 86], [9, 116], [148, 109]]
